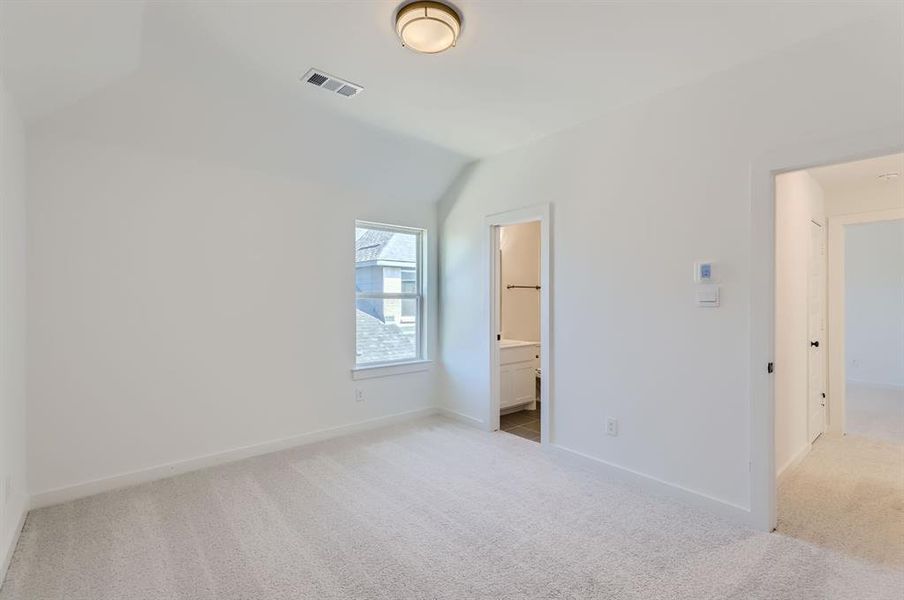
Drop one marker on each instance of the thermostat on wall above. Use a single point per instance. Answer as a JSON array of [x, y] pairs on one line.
[[703, 271]]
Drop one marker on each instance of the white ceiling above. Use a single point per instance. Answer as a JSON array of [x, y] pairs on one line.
[[860, 173], [53, 53], [855, 187], [521, 70]]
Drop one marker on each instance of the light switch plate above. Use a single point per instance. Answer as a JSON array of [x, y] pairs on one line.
[[708, 295]]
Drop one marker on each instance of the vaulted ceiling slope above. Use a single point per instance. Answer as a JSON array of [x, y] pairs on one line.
[[229, 71], [55, 53], [174, 89]]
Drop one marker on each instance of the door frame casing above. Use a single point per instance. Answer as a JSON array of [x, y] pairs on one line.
[[529, 214], [822, 335], [761, 331], [836, 325]]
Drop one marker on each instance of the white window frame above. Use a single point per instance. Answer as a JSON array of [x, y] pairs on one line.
[[420, 361]]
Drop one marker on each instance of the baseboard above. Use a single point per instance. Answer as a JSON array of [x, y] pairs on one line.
[[461, 418], [793, 462], [98, 486], [10, 546], [875, 384], [654, 486]]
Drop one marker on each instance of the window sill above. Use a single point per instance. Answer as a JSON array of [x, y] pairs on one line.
[[370, 372]]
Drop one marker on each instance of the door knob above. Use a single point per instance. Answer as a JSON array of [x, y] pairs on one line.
[[815, 344]]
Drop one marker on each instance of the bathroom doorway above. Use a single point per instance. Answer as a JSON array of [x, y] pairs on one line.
[[520, 403], [519, 329]]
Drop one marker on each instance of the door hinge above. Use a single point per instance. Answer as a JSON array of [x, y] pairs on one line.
[[770, 367]]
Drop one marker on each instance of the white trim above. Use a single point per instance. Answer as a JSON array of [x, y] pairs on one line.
[[495, 287], [413, 229], [652, 485], [836, 325], [22, 504], [97, 486], [387, 370], [387, 296], [822, 263], [541, 213], [794, 461], [879, 385], [461, 417], [761, 330]]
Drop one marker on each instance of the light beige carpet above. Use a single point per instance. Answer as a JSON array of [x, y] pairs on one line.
[[848, 495], [423, 511]]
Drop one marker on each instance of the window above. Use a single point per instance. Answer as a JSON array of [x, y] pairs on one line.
[[389, 287]]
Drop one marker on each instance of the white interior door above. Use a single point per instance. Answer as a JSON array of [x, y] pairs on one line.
[[816, 327]]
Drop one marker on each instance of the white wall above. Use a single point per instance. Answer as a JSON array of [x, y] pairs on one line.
[[874, 303], [182, 307], [637, 196], [192, 266], [799, 199], [519, 246], [12, 326]]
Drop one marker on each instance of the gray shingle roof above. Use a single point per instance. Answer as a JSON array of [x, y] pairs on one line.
[[382, 342], [375, 244]]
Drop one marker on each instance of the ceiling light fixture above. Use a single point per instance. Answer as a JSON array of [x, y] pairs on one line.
[[428, 27]]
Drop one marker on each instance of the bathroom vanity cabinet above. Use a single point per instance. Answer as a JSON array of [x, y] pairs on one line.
[[518, 363]]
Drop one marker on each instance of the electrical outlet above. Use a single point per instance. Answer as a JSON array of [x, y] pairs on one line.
[[359, 395], [611, 426]]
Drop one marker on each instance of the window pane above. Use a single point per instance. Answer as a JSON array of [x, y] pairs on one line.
[[384, 334], [409, 281], [386, 262], [409, 310], [394, 247]]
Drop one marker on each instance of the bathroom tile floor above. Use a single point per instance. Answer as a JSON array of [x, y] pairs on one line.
[[524, 423]]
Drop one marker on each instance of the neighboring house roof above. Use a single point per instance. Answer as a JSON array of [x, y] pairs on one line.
[[375, 244], [382, 342]]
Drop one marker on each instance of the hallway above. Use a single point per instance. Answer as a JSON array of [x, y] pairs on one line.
[[847, 495], [875, 412]]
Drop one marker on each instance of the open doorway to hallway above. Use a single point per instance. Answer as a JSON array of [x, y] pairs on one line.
[[839, 349]]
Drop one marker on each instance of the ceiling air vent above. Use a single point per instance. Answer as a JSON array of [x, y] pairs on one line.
[[332, 84]]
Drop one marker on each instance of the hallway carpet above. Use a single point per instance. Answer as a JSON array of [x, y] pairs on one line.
[[429, 510], [875, 412], [848, 495]]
